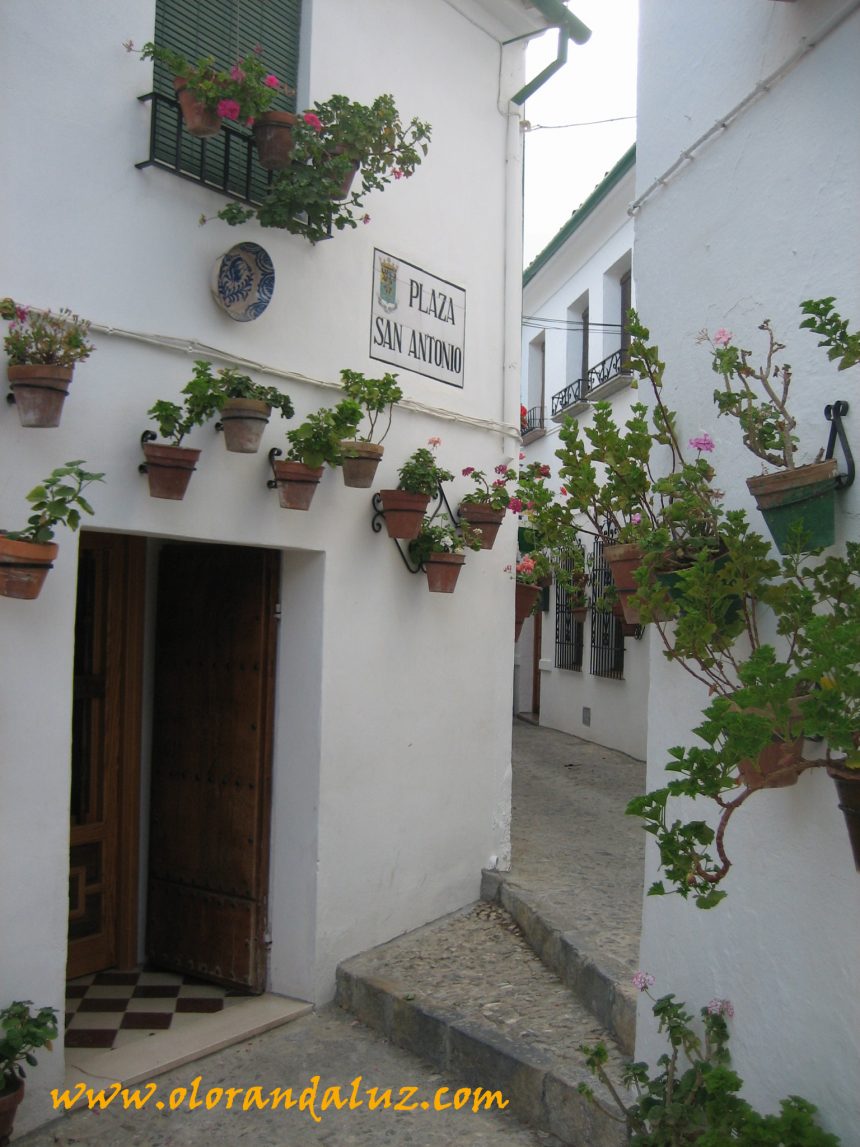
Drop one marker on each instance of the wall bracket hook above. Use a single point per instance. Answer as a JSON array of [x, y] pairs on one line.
[[834, 413]]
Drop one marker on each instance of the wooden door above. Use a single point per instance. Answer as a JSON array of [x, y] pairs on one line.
[[211, 762], [104, 805]]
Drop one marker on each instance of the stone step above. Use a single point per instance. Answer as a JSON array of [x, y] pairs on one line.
[[468, 994], [598, 980]]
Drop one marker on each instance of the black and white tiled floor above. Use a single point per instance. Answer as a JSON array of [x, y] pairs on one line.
[[111, 1009]]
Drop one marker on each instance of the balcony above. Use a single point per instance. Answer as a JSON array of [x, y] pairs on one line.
[[601, 381], [533, 425]]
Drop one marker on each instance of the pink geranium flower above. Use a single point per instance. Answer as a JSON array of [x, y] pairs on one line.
[[643, 981], [722, 337], [237, 74], [704, 443], [228, 109], [397, 173], [272, 82], [313, 121], [434, 441], [721, 1008], [467, 470], [515, 506]]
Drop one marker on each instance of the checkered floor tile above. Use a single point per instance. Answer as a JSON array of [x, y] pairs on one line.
[[110, 1009]]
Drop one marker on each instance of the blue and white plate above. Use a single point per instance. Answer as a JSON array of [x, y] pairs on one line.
[[243, 281]]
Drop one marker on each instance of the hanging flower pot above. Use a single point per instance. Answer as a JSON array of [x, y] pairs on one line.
[[360, 461], [23, 569], [524, 602], [273, 135], [9, 1104], [776, 766], [243, 421], [803, 496], [443, 569], [484, 519], [350, 173], [404, 512], [579, 614], [199, 120], [623, 560], [847, 783], [40, 392], [297, 483], [169, 469]]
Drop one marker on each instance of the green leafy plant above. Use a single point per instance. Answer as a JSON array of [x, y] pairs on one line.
[[203, 400], [229, 383], [420, 473], [438, 535], [309, 197], [21, 1033], [44, 338], [242, 92], [57, 501], [693, 1096], [823, 319], [495, 494], [375, 396], [318, 439]]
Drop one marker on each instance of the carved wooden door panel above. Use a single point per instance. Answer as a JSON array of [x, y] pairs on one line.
[[211, 762]]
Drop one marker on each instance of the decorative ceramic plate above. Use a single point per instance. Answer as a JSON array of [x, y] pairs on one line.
[[243, 281]]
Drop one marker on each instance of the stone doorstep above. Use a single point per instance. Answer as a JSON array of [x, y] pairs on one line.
[[598, 981], [542, 1092]]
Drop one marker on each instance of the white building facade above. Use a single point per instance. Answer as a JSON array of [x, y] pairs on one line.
[[381, 712], [579, 676], [748, 159]]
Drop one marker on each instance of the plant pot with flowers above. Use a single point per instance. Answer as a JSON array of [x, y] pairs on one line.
[[43, 349], [312, 445], [169, 465], [375, 396], [244, 93], [22, 1032], [27, 555], [420, 479], [440, 549], [792, 497], [483, 510], [316, 192], [245, 407]]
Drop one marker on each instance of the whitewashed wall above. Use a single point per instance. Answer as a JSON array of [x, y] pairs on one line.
[[763, 217], [582, 265], [392, 739]]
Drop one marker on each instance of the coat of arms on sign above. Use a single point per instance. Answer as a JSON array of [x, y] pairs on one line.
[[387, 296]]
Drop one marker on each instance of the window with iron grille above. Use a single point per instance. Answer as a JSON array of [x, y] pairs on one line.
[[227, 30], [607, 639], [569, 629]]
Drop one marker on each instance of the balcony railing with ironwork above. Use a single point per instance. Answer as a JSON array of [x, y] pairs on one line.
[[578, 391], [533, 420]]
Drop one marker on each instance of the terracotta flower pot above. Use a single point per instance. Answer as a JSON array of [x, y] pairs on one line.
[[443, 569], [776, 765], [199, 119], [360, 461], [243, 421], [40, 392], [297, 484], [9, 1104], [346, 184], [804, 496], [484, 519], [524, 602], [169, 469], [273, 135], [404, 513], [623, 560], [23, 569]]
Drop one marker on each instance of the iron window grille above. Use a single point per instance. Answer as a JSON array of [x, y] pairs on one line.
[[607, 639], [569, 633]]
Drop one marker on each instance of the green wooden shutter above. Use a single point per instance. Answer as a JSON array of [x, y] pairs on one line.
[[227, 30]]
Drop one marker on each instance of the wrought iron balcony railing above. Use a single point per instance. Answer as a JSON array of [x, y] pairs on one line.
[[534, 420], [578, 391]]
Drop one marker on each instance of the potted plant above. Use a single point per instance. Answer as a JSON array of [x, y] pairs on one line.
[[27, 555], [310, 197], [439, 548], [529, 572], [758, 397], [312, 445], [245, 407], [244, 92], [693, 1096], [375, 396], [484, 508], [21, 1033], [43, 349], [420, 479], [170, 465]]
